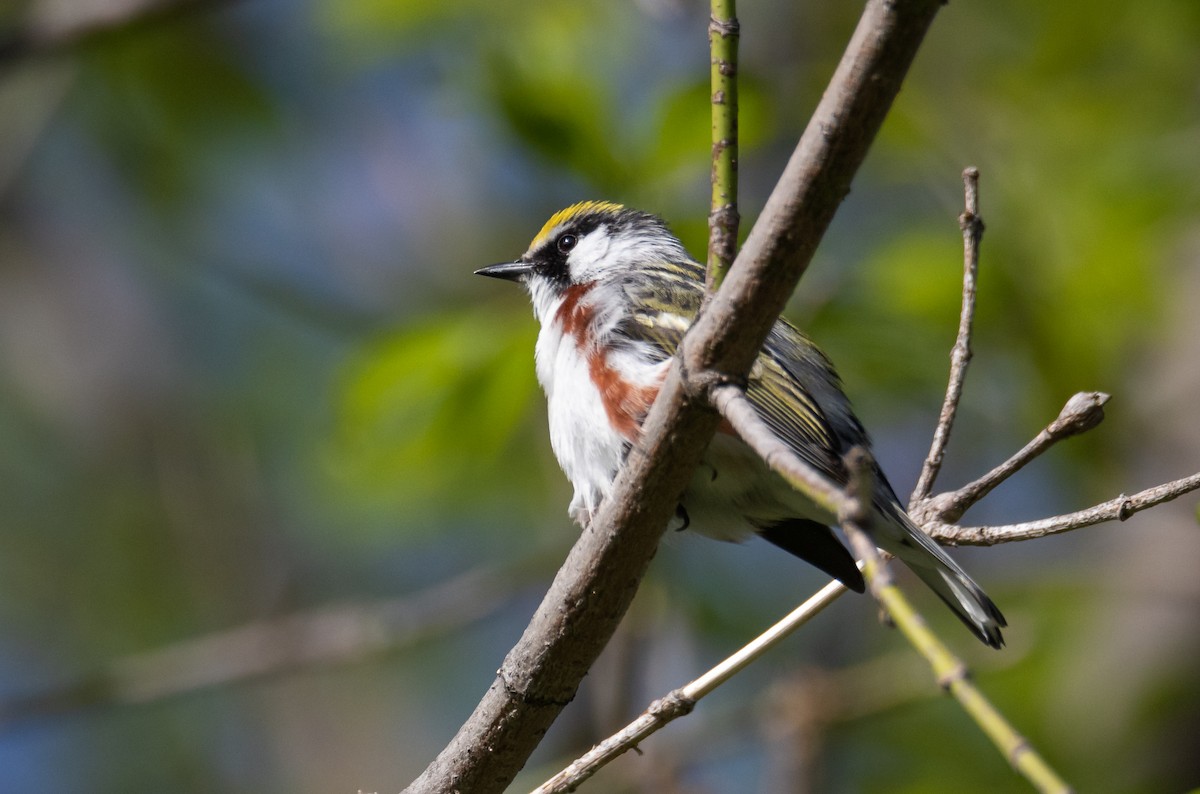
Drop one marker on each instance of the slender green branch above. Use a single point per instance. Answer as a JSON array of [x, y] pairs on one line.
[[723, 216], [735, 407], [951, 673]]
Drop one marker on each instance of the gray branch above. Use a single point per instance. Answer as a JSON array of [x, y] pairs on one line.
[[1117, 509], [1081, 413], [960, 355]]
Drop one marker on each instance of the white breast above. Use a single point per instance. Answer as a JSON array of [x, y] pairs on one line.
[[585, 443]]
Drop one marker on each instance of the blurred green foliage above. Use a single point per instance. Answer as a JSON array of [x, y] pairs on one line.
[[245, 370]]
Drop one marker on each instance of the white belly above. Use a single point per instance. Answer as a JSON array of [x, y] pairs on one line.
[[587, 446]]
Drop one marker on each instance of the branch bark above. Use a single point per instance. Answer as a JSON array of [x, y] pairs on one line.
[[593, 589], [680, 702], [1081, 413], [1117, 509]]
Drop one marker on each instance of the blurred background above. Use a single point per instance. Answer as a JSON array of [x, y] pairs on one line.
[[277, 492]]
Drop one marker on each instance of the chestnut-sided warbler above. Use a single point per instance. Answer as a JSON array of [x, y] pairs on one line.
[[614, 292]]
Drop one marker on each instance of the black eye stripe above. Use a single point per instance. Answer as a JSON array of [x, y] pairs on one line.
[[566, 242]]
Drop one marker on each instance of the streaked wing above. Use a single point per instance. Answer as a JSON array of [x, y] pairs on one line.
[[794, 387], [797, 394], [666, 298]]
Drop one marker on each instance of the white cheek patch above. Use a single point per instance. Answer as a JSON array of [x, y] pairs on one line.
[[591, 257]]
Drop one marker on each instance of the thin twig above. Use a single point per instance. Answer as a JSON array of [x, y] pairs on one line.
[[723, 219], [960, 355], [1081, 413], [681, 701], [852, 515], [1117, 509], [951, 673]]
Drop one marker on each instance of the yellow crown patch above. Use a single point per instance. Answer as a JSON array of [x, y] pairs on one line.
[[570, 212]]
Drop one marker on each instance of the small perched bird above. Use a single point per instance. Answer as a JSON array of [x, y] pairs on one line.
[[615, 291]]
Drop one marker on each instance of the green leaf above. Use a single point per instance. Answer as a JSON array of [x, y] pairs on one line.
[[438, 414]]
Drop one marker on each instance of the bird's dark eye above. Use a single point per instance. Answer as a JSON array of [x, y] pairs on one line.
[[566, 242]]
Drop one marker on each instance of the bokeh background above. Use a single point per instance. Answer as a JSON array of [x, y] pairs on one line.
[[276, 490]]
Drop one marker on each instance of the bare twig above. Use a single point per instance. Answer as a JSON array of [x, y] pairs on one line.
[[960, 355], [681, 701], [1117, 509], [597, 582], [1081, 413], [952, 675], [327, 636], [723, 217]]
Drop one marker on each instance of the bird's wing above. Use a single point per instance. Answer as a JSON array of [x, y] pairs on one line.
[[665, 299], [792, 384], [798, 395]]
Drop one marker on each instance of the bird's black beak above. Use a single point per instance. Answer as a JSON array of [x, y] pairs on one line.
[[509, 271]]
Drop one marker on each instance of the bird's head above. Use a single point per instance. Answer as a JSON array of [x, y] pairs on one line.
[[586, 243]]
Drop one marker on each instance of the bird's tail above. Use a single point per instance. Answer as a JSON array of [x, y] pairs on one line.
[[944, 576]]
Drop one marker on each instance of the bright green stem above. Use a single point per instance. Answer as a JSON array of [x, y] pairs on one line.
[[723, 216], [952, 674]]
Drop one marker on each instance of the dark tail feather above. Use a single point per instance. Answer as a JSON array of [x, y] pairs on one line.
[[952, 584], [816, 544]]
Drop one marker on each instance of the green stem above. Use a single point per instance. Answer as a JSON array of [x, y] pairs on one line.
[[952, 674], [723, 215]]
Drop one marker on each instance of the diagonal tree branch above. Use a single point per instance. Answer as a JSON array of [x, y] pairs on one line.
[[951, 672], [542, 672], [735, 407]]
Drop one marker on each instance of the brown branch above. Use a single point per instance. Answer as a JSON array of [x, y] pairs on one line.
[[594, 587], [960, 355], [1117, 509], [1081, 413]]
